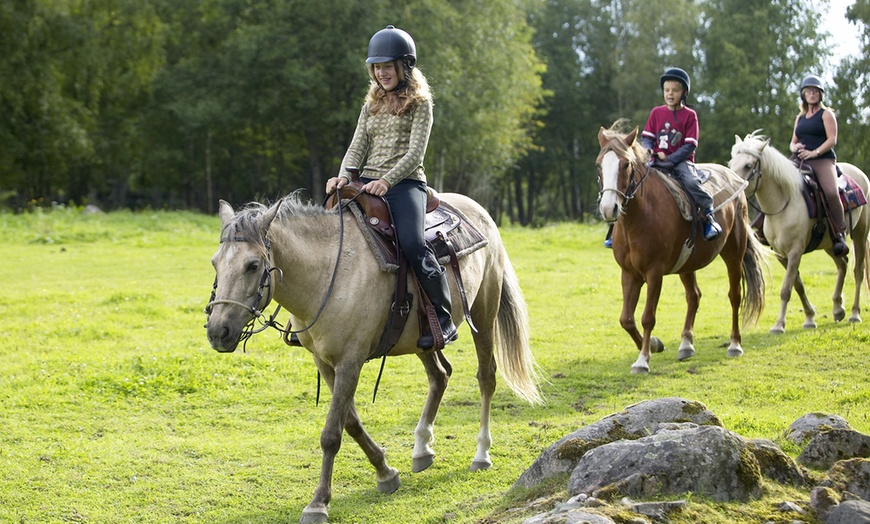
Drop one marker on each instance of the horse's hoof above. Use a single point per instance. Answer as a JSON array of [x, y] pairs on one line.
[[839, 315], [639, 370], [855, 319], [480, 465], [735, 352], [810, 324], [418, 464], [314, 515], [391, 484], [685, 353], [775, 330], [655, 345]]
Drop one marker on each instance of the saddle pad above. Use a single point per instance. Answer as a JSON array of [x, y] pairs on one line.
[[446, 219], [722, 184], [851, 194]]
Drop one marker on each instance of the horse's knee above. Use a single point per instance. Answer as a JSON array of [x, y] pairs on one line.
[[330, 441], [627, 323]]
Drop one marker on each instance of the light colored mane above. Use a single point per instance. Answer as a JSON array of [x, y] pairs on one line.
[[774, 165], [244, 226], [615, 136]]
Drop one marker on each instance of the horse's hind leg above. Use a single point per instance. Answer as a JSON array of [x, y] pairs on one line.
[[438, 370], [693, 299], [486, 380], [860, 245], [343, 416], [838, 311]]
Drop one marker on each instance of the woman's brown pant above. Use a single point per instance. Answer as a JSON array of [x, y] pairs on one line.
[[826, 174]]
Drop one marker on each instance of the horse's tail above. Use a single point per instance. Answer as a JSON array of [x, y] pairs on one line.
[[513, 354], [754, 265]]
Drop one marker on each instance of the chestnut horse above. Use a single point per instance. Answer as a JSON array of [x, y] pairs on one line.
[[652, 239], [325, 274], [776, 183]]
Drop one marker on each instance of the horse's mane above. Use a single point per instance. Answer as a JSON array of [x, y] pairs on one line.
[[615, 136], [245, 226], [775, 165]]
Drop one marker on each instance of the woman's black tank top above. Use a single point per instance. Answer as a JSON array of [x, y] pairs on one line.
[[811, 133]]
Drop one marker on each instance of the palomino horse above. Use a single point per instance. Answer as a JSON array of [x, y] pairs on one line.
[[652, 239], [776, 183], [346, 309]]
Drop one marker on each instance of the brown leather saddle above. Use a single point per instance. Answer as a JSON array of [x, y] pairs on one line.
[[446, 231]]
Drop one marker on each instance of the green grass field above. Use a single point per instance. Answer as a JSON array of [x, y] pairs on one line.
[[115, 409]]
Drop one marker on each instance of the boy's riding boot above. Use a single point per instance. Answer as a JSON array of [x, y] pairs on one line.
[[758, 226], [712, 229], [438, 291]]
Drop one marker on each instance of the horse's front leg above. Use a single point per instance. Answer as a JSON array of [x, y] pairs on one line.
[[792, 280], [631, 287], [649, 344], [693, 300], [438, 371], [343, 381]]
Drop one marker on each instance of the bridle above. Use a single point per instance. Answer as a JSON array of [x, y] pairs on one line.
[[634, 184], [755, 173], [266, 290]]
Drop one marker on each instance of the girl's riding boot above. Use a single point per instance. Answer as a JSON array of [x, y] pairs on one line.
[[438, 291]]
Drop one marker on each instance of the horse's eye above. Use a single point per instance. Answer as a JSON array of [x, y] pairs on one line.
[[254, 266]]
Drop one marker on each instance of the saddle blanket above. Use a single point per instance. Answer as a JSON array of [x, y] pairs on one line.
[[851, 194], [722, 184]]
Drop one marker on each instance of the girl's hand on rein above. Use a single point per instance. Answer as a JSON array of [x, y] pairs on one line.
[[377, 187]]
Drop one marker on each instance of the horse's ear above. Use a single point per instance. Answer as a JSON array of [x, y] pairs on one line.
[[629, 138], [270, 214], [764, 144], [226, 212], [737, 139], [602, 140]]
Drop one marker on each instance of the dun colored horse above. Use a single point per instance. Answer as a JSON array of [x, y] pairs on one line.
[[288, 252], [652, 239], [777, 183]]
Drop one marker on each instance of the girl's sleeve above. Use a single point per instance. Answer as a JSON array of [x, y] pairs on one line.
[[359, 145], [421, 127]]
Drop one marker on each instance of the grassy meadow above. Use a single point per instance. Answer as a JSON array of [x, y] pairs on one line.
[[115, 409]]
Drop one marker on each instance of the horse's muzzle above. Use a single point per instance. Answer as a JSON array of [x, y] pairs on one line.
[[222, 338]]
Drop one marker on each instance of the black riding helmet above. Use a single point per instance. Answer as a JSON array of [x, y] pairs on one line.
[[675, 73], [812, 81], [392, 44]]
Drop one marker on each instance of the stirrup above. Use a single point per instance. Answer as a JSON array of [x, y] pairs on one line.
[[712, 230]]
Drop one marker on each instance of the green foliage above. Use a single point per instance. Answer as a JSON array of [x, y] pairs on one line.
[[116, 410]]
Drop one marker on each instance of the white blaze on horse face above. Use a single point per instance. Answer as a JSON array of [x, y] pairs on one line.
[[611, 201]]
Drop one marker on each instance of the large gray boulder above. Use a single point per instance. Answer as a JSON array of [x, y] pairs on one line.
[[775, 464], [707, 460], [636, 421], [805, 428], [828, 447], [850, 512]]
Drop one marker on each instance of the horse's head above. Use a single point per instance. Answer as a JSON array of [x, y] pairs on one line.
[[618, 176], [244, 276], [746, 154]]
